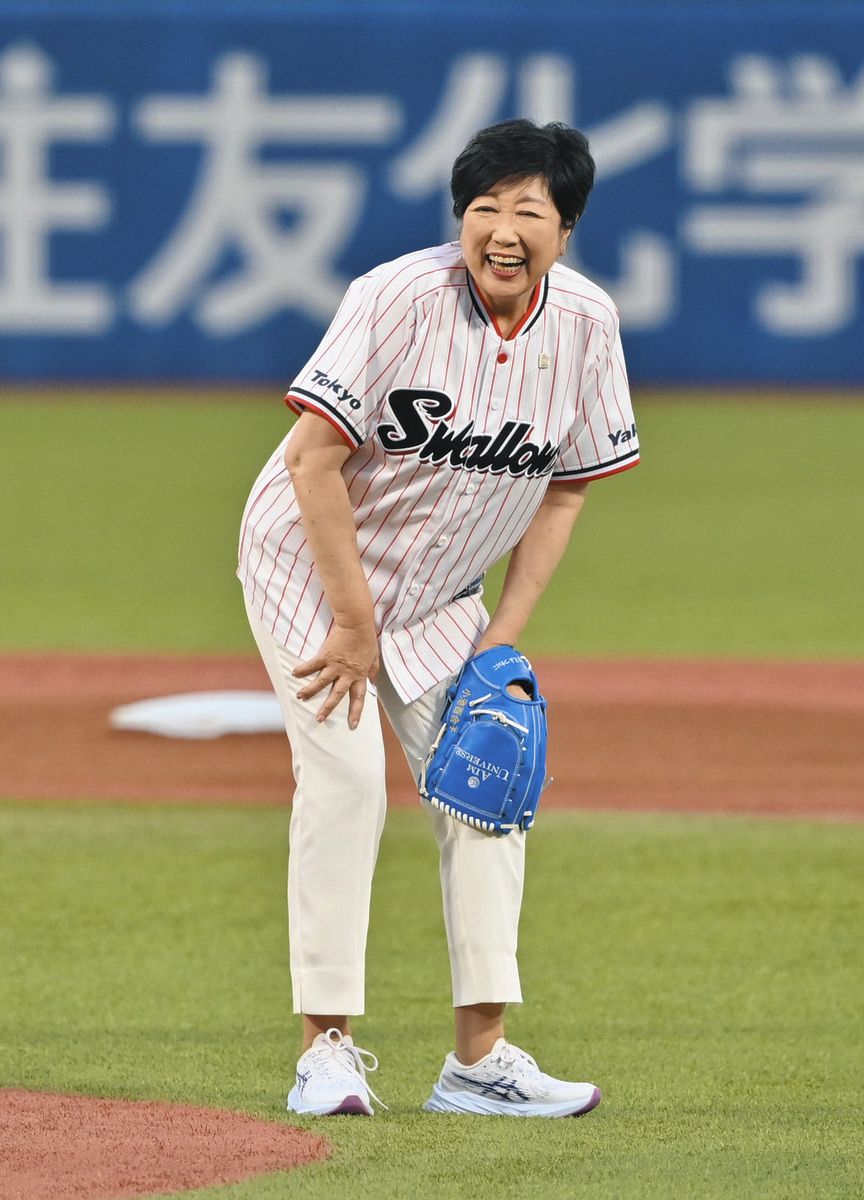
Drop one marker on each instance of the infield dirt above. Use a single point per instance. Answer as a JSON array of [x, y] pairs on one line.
[[746, 738], [784, 738]]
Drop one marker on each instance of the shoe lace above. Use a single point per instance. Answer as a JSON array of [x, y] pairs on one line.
[[510, 1057], [337, 1055]]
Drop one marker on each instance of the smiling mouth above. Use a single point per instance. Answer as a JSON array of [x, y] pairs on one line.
[[505, 264]]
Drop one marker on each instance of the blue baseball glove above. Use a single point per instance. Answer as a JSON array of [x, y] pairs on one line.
[[487, 766]]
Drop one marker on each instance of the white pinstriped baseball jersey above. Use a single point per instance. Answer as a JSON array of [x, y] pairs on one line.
[[456, 434]]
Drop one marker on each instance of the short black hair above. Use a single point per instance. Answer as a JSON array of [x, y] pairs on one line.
[[518, 149]]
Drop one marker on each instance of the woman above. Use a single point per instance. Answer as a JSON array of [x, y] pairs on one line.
[[456, 409]]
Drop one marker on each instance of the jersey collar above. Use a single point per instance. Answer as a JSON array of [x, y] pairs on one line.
[[532, 313]]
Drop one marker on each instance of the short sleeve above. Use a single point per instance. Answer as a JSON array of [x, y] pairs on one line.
[[357, 360], [603, 438]]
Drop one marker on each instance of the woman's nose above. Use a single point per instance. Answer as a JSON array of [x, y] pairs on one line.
[[505, 231]]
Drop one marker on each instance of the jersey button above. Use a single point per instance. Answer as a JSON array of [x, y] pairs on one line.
[[502, 357], [442, 541], [471, 489], [495, 405], [413, 589]]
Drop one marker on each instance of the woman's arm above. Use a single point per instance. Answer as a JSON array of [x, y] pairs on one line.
[[533, 562], [314, 457]]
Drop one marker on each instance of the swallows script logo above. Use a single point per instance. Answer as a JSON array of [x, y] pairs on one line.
[[419, 428]]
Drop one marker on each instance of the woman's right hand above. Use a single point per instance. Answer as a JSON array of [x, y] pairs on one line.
[[348, 658]]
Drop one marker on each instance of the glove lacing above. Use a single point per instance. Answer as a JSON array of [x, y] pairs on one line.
[[337, 1056]]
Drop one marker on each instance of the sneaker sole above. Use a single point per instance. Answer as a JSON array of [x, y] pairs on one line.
[[468, 1104], [348, 1106]]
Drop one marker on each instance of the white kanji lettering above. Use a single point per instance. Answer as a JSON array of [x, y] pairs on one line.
[[792, 130], [645, 290], [545, 91], [241, 203], [473, 93], [32, 206]]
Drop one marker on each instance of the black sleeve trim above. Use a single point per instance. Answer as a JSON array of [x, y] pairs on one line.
[[329, 410], [610, 467]]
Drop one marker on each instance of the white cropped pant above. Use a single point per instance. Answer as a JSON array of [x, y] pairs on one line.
[[336, 823]]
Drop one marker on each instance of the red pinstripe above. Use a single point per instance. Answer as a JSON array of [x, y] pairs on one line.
[[588, 423], [418, 365], [392, 576], [505, 539], [449, 614], [460, 574], [583, 373], [247, 525], [445, 615], [311, 626], [568, 383], [423, 634], [601, 398], [395, 537], [413, 323], [451, 338], [613, 358], [278, 609], [294, 524], [609, 310], [407, 669], [395, 359], [578, 316], [263, 540]]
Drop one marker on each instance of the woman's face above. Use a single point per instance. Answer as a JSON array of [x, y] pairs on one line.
[[510, 238]]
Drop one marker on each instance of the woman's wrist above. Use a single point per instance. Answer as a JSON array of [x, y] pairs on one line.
[[354, 619], [497, 637]]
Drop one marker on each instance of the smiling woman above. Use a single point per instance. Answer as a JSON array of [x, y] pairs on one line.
[[519, 192], [510, 238], [454, 386]]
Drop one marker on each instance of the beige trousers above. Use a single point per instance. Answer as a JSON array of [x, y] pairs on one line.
[[336, 823]]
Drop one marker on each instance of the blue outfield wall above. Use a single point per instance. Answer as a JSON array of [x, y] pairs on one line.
[[186, 190]]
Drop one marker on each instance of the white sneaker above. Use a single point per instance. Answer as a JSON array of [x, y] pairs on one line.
[[508, 1083], [331, 1078]]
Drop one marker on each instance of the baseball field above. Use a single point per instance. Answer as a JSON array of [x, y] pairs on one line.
[[691, 938]]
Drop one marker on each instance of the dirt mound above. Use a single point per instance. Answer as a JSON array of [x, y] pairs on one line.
[[82, 1148]]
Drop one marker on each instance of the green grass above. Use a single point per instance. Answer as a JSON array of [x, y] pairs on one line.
[[123, 517], [707, 973], [739, 535]]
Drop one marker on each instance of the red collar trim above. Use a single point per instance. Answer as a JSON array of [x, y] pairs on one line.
[[524, 319]]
